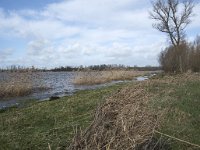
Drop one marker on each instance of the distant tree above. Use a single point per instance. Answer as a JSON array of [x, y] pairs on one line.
[[172, 17]]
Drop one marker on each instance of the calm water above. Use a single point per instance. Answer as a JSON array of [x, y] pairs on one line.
[[59, 84]]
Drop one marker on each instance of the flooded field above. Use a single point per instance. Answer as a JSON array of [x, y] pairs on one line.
[[44, 85]]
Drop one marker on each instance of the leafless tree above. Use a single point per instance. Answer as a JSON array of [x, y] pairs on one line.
[[172, 17]]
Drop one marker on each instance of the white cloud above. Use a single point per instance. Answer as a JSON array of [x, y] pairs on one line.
[[75, 32], [196, 18], [118, 50], [5, 53]]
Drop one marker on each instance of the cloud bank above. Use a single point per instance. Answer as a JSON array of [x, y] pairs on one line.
[[82, 32]]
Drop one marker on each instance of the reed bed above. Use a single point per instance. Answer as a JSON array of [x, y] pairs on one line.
[[18, 84], [99, 77]]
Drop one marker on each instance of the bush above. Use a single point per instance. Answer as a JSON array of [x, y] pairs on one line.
[[181, 58]]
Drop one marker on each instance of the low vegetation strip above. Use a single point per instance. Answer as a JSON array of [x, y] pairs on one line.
[[98, 77]]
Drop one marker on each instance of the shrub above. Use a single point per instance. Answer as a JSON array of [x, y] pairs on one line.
[[181, 58]]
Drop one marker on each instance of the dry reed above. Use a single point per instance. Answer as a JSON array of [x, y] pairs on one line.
[[98, 77], [124, 121], [17, 84]]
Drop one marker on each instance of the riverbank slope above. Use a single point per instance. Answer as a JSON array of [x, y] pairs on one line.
[[128, 115]]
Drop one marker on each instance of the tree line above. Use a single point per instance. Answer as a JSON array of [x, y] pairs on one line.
[[102, 67]]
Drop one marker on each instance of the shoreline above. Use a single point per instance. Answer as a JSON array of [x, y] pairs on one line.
[[19, 101]]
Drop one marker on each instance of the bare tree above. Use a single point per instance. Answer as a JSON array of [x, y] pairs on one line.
[[172, 17]]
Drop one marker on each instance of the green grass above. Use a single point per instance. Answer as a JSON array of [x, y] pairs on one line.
[[53, 122], [182, 104]]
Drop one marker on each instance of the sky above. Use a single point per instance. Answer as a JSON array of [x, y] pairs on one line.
[[53, 33]]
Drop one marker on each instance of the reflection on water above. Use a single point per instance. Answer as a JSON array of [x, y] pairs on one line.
[[58, 84], [142, 78]]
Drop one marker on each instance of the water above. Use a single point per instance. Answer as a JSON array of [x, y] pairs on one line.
[[142, 78], [58, 84]]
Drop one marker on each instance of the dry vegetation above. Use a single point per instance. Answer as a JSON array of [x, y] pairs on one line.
[[123, 122], [98, 77], [185, 57], [11, 89], [127, 121], [17, 84]]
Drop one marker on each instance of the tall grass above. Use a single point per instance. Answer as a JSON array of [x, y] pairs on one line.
[[98, 77], [178, 96], [17, 84]]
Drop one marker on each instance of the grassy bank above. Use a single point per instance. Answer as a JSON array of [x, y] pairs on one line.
[[162, 113], [53, 122], [98, 77], [128, 116], [178, 97]]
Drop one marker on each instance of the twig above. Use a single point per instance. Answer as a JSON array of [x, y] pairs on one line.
[[183, 141], [49, 146]]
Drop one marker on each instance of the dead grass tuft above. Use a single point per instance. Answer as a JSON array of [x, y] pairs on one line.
[[123, 122]]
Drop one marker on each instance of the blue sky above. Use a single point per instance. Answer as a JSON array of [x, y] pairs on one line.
[[24, 4], [50, 33]]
